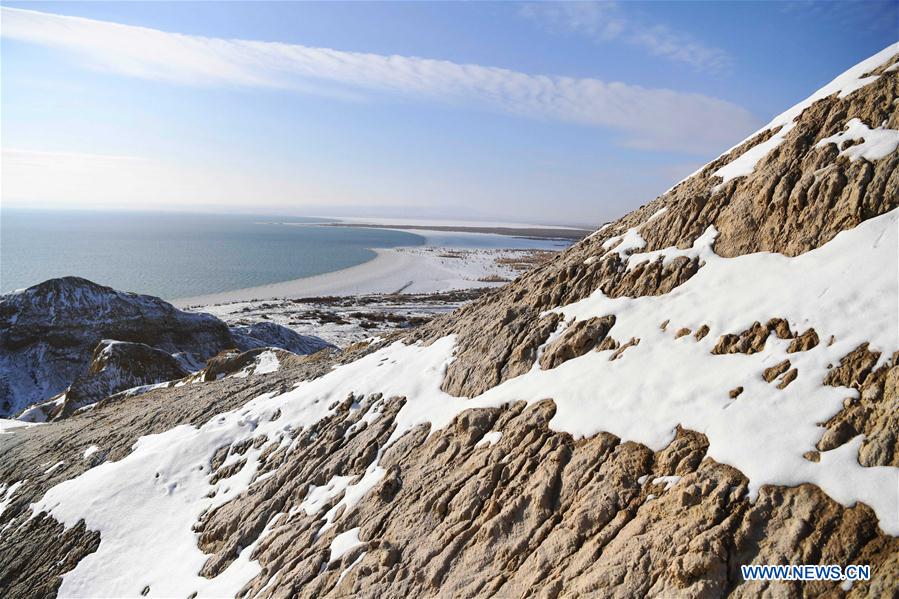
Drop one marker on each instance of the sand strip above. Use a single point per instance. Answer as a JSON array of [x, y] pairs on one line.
[[381, 274]]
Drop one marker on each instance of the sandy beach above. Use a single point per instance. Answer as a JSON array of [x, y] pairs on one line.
[[395, 270]]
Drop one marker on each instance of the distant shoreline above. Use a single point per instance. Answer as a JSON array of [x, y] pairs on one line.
[[527, 233]]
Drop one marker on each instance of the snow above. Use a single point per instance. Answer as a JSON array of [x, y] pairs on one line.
[[658, 213], [7, 493], [878, 143], [350, 567], [845, 84], [354, 493], [317, 497], [158, 487], [371, 414], [264, 363], [344, 542], [628, 242], [7, 425], [90, 451], [702, 249], [854, 273], [599, 230], [764, 432], [53, 467], [745, 163], [37, 413], [139, 390], [668, 481], [491, 438]]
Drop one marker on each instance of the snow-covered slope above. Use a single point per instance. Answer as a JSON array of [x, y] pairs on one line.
[[114, 366], [49, 333], [709, 382], [52, 333], [270, 334]]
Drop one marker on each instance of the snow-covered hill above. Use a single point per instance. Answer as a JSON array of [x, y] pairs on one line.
[[708, 382], [61, 331]]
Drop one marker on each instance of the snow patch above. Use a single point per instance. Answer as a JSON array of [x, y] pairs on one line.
[[599, 230], [7, 425], [746, 162], [267, 362], [354, 493], [702, 249], [264, 363], [669, 481], [877, 143], [343, 543], [317, 497], [657, 214], [55, 466], [7, 493], [491, 438], [628, 242], [350, 567]]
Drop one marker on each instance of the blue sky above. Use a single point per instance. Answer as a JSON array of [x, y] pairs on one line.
[[543, 112]]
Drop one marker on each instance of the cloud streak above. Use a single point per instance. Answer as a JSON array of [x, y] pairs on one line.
[[644, 118], [607, 21]]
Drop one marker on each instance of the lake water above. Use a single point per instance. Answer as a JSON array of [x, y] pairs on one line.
[[181, 255]]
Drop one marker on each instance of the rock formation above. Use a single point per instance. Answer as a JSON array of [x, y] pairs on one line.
[[62, 332], [115, 366]]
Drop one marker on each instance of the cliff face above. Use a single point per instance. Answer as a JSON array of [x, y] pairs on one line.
[[709, 382]]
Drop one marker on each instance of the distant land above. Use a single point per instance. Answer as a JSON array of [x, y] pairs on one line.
[[532, 233]]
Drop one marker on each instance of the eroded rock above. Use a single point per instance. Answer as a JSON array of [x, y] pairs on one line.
[[577, 340]]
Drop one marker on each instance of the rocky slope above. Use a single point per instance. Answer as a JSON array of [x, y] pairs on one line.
[[58, 334], [709, 382]]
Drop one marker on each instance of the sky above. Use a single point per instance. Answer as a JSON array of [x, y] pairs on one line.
[[556, 113]]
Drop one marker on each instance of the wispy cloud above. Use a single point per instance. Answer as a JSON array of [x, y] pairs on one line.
[[873, 15], [602, 20], [643, 117], [608, 21]]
